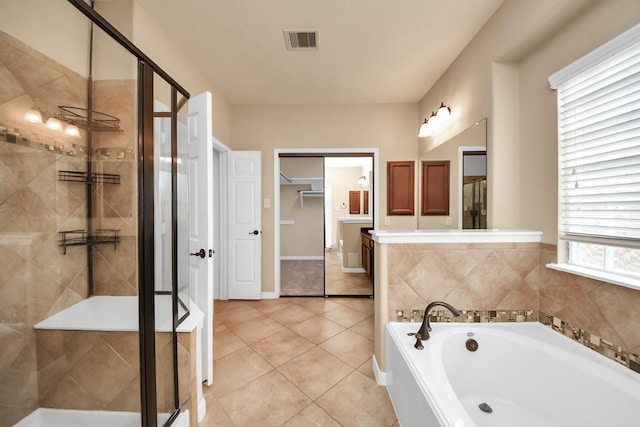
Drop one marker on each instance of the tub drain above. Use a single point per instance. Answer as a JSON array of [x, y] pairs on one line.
[[484, 407]]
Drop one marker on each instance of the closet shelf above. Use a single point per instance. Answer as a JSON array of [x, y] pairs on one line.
[[309, 193]]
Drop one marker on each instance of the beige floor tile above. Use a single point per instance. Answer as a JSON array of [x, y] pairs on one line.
[[318, 329], [367, 369], [291, 315], [318, 305], [237, 369], [216, 415], [315, 371], [365, 305], [365, 328], [256, 329], [243, 313], [225, 342], [248, 406], [267, 306], [314, 416], [282, 347], [350, 347], [358, 401], [345, 316]]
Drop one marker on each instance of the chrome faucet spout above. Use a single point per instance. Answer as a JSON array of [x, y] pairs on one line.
[[425, 328]]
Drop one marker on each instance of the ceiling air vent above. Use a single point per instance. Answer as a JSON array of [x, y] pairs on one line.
[[307, 39]]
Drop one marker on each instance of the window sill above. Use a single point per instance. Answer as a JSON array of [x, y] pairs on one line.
[[603, 276]]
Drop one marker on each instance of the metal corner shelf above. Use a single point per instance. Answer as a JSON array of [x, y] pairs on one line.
[[93, 121], [82, 238], [90, 178]]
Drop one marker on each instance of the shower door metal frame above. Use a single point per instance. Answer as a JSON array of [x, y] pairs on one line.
[[146, 290]]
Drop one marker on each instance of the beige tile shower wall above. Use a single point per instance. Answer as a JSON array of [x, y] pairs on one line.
[[115, 206], [468, 276], [96, 370], [609, 311], [36, 278]]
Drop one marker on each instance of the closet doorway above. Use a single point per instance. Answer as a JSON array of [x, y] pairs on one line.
[[323, 202]]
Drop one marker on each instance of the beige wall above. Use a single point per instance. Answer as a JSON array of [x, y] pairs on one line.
[[389, 127], [158, 46], [305, 237]]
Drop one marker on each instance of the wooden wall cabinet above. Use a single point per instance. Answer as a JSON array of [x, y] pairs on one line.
[[400, 188], [435, 187], [354, 202], [367, 254]]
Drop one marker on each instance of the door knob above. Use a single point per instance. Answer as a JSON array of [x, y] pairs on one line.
[[201, 253], [255, 232]]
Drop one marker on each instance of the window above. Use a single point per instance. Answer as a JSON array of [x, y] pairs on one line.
[[599, 162]]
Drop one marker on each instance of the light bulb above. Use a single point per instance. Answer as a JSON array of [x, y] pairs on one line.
[[33, 116], [72, 131], [443, 113], [425, 129], [54, 124]]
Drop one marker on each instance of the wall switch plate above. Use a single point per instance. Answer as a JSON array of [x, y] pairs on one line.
[[447, 220], [267, 203], [387, 220]]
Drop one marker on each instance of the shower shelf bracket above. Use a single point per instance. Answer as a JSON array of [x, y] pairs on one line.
[[82, 238]]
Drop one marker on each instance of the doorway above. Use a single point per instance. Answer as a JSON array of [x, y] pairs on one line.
[[308, 204]]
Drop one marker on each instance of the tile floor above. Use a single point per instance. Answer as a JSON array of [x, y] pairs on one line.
[[295, 362], [339, 283]]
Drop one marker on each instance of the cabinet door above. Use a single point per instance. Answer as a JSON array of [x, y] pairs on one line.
[[354, 202], [435, 187], [400, 188]]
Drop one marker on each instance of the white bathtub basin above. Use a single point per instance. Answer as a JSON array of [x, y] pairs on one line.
[[528, 374]]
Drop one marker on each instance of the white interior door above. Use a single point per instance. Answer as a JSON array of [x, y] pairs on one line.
[[201, 221], [245, 225]]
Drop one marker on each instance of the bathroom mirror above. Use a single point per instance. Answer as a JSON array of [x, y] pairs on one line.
[[467, 198]]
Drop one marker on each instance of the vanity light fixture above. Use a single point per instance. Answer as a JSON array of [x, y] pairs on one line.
[[435, 121], [362, 180]]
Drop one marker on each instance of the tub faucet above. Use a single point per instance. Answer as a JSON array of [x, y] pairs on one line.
[[423, 332]]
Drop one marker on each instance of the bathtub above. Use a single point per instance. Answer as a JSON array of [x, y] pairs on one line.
[[522, 374]]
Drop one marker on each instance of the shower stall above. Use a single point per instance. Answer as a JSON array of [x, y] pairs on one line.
[[96, 321]]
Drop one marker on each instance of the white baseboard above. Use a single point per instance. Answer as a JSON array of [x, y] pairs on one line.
[[353, 270], [202, 409], [269, 295], [302, 258], [382, 378]]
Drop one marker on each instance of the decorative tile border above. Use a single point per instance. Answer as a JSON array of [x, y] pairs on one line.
[[594, 342], [14, 136], [469, 316]]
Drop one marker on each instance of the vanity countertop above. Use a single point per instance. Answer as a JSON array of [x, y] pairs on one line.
[[457, 236]]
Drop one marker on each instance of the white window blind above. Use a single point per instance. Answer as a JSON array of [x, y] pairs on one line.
[[599, 162], [599, 148]]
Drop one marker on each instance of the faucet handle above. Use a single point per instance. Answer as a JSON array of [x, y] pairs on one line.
[[418, 343]]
